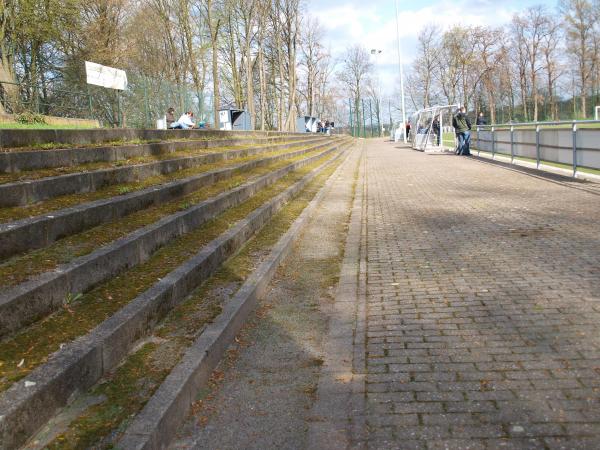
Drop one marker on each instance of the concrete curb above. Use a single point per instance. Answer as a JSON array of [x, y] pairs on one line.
[[37, 232], [336, 426], [30, 402], [157, 423], [31, 300], [26, 138], [30, 191], [11, 162]]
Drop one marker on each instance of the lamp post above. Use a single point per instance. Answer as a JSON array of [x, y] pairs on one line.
[[376, 52], [401, 74]]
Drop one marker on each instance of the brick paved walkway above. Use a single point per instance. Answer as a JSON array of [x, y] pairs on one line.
[[482, 300]]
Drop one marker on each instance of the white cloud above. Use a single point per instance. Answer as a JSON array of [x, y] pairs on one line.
[[374, 26]]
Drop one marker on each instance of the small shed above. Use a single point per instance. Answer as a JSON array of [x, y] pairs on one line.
[[234, 120], [306, 124]]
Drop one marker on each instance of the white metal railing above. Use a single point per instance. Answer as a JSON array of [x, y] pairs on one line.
[[573, 143]]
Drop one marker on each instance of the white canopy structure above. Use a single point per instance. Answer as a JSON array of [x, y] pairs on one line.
[[427, 127]]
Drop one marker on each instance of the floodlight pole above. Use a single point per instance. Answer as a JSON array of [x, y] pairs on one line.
[[401, 74]]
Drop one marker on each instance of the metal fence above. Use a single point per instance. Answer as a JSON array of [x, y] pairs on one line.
[[364, 122], [143, 102], [574, 145]]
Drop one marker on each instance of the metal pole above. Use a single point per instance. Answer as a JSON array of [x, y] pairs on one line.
[[441, 136], [90, 102], [401, 73], [574, 149], [512, 144], [118, 110], [363, 119], [537, 146], [493, 143], [357, 112], [371, 116], [146, 107], [351, 125], [391, 122]]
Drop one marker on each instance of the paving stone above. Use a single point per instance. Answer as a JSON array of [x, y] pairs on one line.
[[481, 286]]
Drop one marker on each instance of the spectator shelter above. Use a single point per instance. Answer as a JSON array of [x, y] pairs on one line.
[[234, 120], [306, 124], [428, 126]]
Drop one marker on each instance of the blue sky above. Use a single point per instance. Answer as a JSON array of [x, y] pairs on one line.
[[372, 23]]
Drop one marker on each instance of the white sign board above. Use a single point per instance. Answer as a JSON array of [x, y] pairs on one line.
[[224, 116], [104, 76]]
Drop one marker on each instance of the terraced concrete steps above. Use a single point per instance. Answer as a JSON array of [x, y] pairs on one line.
[[11, 139], [157, 423], [18, 161], [29, 301], [30, 191], [30, 402], [37, 232]]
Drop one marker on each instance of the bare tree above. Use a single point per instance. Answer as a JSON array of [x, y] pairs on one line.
[[427, 60], [354, 74], [550, 52], [581, 18], [312, 56]]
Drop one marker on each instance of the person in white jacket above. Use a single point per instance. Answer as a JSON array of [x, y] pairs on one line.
[[185, 122]]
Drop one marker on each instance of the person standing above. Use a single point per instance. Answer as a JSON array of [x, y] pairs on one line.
[[436, 130], [462, 126], [170, 117], [481, 119]]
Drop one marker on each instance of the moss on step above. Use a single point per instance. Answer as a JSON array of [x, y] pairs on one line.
[[65, 201], [21, 268], [26, 350], [119, 142], [89, 167], [100, 426]]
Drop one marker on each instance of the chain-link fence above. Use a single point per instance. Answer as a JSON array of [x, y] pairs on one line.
[[364, 122], [139, 106]]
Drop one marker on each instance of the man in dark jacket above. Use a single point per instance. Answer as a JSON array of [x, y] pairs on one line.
[[462, 126], [481, 119], [436, 130]]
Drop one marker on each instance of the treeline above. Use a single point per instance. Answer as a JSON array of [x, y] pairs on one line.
[[543, 65], [261, 55]]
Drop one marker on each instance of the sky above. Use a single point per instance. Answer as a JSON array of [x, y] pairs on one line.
[[372, 23]]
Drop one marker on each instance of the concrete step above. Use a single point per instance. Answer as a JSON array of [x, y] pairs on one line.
[[31, 191], [30, 402], [11, 139], [37, 232], [158, 422], [19, 161], [38, 297]]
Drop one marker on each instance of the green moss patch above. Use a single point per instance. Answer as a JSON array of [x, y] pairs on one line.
[[22, 353], [100, 426], [21, 268], [65, 201], [88, 167]]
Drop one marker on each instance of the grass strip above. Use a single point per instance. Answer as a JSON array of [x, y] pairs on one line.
[[29, 175], [568, 167], [65, 201], [24, 267], [119, 142], [26, 350], [99, 426], [42, 126]]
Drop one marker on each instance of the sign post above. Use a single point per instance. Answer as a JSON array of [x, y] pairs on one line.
[[107, 77]]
